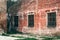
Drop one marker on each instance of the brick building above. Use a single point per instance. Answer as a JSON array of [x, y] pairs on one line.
[[34, 16], [39, 16], [3, 15]]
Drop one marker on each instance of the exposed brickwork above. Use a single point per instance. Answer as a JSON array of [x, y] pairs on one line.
[[3, 15], [40, 8]]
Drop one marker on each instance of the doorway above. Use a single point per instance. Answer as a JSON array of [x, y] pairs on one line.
[[12, 24]]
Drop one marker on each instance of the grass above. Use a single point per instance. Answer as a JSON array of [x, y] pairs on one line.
[[4, 34], [47, 39], [51, 38], [18, 36], [24, 38], [27, 39]]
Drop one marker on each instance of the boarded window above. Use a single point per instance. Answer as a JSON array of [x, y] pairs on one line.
[[30, 20], [52, 19]]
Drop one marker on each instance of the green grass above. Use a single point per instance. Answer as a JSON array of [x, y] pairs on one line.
[[18, 36], [51, 38], [4, 34], [47, 39], [27, 39]]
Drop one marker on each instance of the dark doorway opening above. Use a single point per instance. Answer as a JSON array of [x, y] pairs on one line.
[[15, 21], [30, 20], [15, 24], [52, 19]]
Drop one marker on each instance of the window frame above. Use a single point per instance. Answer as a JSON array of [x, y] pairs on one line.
[[47, 18], [29, 13]]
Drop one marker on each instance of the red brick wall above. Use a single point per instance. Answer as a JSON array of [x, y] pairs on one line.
[[3, 16], [40, 8]]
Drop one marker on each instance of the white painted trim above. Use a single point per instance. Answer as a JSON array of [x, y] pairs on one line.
[[30, 11]]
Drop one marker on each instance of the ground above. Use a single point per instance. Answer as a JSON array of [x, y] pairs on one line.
[[7, 38], [27, 37]]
